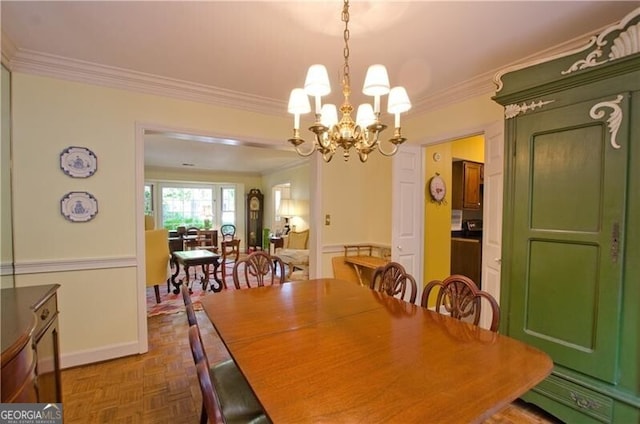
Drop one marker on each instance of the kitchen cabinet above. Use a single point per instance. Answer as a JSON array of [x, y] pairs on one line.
[[466, 179], [30, 345], [466, 258], [570, 280]]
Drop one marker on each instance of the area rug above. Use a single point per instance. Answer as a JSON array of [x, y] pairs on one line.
[[171, 303]]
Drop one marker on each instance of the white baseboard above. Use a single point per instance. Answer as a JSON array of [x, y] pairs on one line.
[[97, 355]]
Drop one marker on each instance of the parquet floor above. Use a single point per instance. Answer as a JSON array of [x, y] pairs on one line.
[[161, 387]]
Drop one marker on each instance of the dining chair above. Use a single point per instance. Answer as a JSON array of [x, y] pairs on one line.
[[157, 258], [394, 280], [188, 306], [207, 240], [229, 255], [459, 297], [227, 231], [258, 269], [226, 394]]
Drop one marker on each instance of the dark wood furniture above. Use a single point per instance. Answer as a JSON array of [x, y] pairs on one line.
[[194, 258], [230, 251], [357, 349], [226, 395], [460, 298], [258, 269], [207, 240], [393, 280], [228, 231], [466, 179], [570, 253], [276, 243], [30, 345], [255, 212], [466, 258]]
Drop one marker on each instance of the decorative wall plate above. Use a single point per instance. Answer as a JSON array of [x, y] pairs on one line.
[[78, 162], [78, 206], [437, 189]]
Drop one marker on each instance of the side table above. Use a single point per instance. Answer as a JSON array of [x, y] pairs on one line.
[[189, 258], [276, 242]]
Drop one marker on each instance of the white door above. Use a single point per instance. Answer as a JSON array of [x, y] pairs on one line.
[[406, 212], [492, 214]]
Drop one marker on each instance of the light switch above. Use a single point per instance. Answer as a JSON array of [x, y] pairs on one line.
[[327, 219]]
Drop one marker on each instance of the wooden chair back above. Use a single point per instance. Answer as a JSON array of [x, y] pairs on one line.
[[210, 402], [188, 306], [459, 297], [258, 269], [228, 231], [229, 255], [394, 280]]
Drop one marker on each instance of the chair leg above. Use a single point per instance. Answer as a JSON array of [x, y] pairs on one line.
[[203, 415], [156, 288]]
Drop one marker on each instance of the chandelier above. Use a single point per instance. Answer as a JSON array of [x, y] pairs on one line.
[[363, 133]]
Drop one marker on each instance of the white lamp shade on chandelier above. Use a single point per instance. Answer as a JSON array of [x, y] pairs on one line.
[[361, 134]]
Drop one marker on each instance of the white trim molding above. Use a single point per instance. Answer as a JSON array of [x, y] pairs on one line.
[[64, 265], [105, 353], [615, 119], [511, 111]]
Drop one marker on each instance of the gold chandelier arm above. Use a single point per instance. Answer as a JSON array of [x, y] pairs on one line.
[[297, 143], [391, 153]]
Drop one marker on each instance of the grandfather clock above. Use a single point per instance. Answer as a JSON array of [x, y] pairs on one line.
[[255, 208]]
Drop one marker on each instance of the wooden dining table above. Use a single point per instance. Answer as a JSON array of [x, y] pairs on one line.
[[331, 351]]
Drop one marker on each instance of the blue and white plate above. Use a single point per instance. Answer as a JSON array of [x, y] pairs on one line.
[[78, 206], [78, 162]]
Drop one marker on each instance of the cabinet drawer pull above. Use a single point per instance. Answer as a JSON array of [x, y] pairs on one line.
[[44, 314], [583, 402]]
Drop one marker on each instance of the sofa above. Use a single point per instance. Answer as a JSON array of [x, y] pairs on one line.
[[295, 254]]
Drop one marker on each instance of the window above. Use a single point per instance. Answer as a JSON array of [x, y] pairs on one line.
[[280, 191], [228, 210], [192, 205], [148, 199], [186, 206]]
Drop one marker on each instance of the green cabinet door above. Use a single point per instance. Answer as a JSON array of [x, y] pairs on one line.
[[569, 191]]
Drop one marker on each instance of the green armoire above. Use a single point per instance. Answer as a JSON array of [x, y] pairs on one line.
[[571, 223]]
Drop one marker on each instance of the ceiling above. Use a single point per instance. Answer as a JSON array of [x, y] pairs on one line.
[[250, 54]]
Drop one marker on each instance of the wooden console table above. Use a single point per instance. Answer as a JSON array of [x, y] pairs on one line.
[[30, 345], [367, 262], [189, 258]]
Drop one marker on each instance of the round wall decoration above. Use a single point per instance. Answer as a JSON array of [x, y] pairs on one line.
[[78, 206], [78, 162], [437, 189]]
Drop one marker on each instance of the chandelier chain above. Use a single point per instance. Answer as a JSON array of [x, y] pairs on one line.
[[345, 70]]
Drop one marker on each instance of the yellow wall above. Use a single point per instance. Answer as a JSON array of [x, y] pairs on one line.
[[6, 233], [95, 262], [298, 177], [469, 148], [437, 217]]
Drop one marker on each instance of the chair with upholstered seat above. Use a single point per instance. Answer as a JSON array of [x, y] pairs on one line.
[[394, 280], [227, 231], [459, 297], [226, 394], [295, 254], [258, 269], [156, 245]]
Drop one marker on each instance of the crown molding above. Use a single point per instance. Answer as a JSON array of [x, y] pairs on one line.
[[37, 63], [33, 62], [8, 49]]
